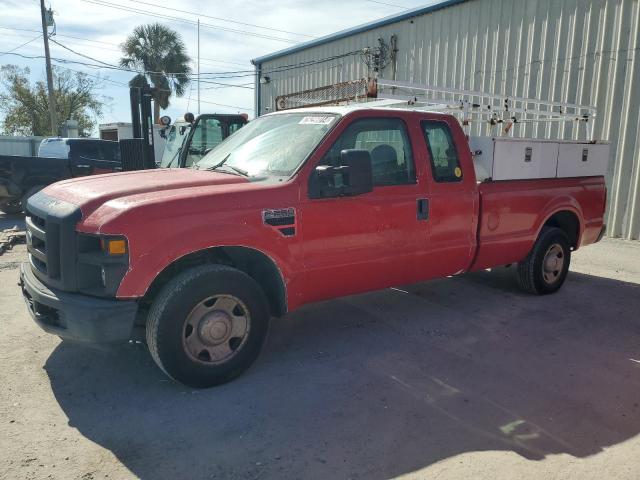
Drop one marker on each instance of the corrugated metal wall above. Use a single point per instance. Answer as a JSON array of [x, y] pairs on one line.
[[579, 51]]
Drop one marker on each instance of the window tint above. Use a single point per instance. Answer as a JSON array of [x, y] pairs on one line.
[[387, 141], [444, 157]]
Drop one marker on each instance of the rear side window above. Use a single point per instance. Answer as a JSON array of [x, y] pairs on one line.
[[445, 163], [54, 148]]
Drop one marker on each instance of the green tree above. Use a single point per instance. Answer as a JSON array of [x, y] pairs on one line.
[[161, 56], [25, 107]]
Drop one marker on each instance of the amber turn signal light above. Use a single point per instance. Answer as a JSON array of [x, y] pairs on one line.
[[114, 247]]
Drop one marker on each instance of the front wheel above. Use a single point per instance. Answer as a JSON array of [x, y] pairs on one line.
[[545, 268], [11, 207], [207, 325]]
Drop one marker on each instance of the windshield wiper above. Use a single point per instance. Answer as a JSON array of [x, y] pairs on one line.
[[217, 165], [241, 171], [221, 163]]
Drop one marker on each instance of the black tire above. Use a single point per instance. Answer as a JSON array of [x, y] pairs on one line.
[[11, 207], [532, 276], [30, 192], [167, 324]]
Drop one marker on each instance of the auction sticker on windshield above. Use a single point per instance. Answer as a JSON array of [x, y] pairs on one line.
[[317, 120]]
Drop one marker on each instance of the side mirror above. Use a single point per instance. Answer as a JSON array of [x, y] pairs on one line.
[[352, 177]]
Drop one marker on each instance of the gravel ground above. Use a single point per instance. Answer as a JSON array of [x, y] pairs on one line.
[[456, 378]]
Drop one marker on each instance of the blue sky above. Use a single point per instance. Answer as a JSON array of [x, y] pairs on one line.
[[96, 28]]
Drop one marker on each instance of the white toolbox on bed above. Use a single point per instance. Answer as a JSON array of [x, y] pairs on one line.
[[507, 158]]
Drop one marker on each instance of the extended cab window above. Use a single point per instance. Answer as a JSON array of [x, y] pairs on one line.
[[445, 164], [387, 141]]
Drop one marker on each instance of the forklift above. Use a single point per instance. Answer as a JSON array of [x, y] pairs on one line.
[[187, 140]]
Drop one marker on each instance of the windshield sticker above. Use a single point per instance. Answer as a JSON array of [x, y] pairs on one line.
[[316, 120]]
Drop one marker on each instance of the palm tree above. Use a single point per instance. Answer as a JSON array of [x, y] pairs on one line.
[[160, 55]]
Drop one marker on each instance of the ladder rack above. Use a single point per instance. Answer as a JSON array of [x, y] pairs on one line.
[[476, 106], [468, 105]]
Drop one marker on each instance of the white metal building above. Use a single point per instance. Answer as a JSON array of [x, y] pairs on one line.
[[574, 51]]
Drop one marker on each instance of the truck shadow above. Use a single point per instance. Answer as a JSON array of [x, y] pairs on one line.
[[379, 385]]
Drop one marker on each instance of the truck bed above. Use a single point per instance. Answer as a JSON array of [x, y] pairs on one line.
[[512, 214]]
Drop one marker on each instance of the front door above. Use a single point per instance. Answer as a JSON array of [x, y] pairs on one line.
[[207, 133], [369, 241]]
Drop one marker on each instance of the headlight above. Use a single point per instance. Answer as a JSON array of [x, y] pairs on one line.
[[103, 261]]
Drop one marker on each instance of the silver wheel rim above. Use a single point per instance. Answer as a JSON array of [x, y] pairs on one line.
[[553, 263], [216, 329]]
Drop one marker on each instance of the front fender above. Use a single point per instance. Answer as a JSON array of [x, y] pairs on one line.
[[148, 260]]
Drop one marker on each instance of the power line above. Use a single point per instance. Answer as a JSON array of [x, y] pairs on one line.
[[185, 20], [20, 46], [229, 106], [388, 4], [224, 85], [212, 75], [83, 55], [249, 72], [221, 19], [206, 59], [67, 61], [209, 75]]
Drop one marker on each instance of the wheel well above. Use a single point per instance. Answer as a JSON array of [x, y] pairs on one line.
[[252, 262], [568, 222]]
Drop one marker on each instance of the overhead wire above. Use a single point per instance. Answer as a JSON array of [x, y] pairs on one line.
[[20, 46], [202, 59], [186, 20], [198, 14]]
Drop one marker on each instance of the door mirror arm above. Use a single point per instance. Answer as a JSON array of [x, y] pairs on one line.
[[352, 177]]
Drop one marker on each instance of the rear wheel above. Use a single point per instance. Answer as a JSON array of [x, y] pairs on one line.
[[545, 268], [207, 325]]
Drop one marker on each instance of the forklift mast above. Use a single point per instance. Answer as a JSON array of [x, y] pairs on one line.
[[137, 153]]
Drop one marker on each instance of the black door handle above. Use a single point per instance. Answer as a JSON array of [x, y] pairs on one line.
[[423, 209]]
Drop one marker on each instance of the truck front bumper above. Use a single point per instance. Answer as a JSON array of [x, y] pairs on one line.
[[74, 316]]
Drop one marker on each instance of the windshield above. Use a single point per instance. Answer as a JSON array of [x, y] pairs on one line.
[[271, 145], [173, 144]]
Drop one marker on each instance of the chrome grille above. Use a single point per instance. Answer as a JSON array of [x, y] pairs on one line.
[[37, 242], [51, 240]]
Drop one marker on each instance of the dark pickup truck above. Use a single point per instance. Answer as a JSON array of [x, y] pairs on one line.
[[21, 177]]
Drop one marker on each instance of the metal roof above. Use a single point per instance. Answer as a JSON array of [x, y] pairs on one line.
[[414, 12]]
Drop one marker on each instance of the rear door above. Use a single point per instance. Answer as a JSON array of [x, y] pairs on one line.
[[82, 157], [374, 240], [453, 202], [93, 157]]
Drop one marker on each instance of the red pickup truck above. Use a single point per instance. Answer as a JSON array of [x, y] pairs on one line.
[[296, 207]]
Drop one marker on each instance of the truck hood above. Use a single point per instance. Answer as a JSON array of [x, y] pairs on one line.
[[91, 192]]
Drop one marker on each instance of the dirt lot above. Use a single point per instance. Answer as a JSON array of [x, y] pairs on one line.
[[458, 378]]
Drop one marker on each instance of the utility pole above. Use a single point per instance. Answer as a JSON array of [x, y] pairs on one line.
[[52, 101], [198, 66]]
